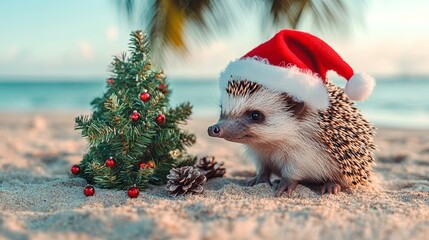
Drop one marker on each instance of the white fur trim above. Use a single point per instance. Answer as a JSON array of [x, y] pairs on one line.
[[360, 86], [302, 85]]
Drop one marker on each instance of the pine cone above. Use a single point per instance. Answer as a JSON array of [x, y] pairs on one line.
[[210, 167], [185, 180]]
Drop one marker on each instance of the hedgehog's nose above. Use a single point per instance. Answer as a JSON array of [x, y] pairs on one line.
[[214, 131]]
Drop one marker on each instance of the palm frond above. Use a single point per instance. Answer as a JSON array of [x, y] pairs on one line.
[[171, 23], [325, 15]]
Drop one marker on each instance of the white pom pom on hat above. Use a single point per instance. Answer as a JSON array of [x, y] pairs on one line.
[[359, 86], [296, 63]]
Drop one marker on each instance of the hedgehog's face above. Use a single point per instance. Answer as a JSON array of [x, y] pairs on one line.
[[252, 114]]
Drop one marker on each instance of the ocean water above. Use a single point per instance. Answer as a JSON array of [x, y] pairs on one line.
[[395, 102]]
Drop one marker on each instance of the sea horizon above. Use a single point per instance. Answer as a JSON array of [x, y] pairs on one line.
[[385, 108], [96, 78]]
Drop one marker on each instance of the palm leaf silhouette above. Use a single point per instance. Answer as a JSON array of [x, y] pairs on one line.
[[171, 22]]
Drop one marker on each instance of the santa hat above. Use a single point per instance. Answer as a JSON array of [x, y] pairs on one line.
[[296, 63]]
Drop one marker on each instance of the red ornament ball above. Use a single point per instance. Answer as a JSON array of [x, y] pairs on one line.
[[135, 116], [75, 170], [163, 88], [89, 191], [110, 162], [160, 119], [133, 192], [149, 164], [110, 81], [143, 165], [144, 96]]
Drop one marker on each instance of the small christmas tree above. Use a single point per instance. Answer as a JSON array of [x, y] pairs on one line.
[[133, 134]]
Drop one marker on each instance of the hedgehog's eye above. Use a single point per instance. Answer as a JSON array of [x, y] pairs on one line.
[[256, 116]]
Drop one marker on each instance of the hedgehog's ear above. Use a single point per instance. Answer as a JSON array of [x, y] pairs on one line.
[[296, 107]]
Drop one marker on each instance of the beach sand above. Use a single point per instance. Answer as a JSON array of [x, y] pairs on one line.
[[40, 200]]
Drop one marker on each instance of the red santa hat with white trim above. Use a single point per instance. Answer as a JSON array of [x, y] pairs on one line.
[[296, 63]]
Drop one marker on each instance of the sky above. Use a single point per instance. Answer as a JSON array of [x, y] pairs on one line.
[[77, 39]]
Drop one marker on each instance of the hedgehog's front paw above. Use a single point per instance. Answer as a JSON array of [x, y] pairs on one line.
[[331, 188], [258, 179], [286, 185]]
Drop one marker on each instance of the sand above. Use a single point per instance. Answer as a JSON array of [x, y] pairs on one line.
[[40, 200]]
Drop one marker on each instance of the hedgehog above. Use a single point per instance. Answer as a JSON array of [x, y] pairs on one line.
[[288, 139], [294, 123]]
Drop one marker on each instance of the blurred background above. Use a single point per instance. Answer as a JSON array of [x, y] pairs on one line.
[[54, 55]]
